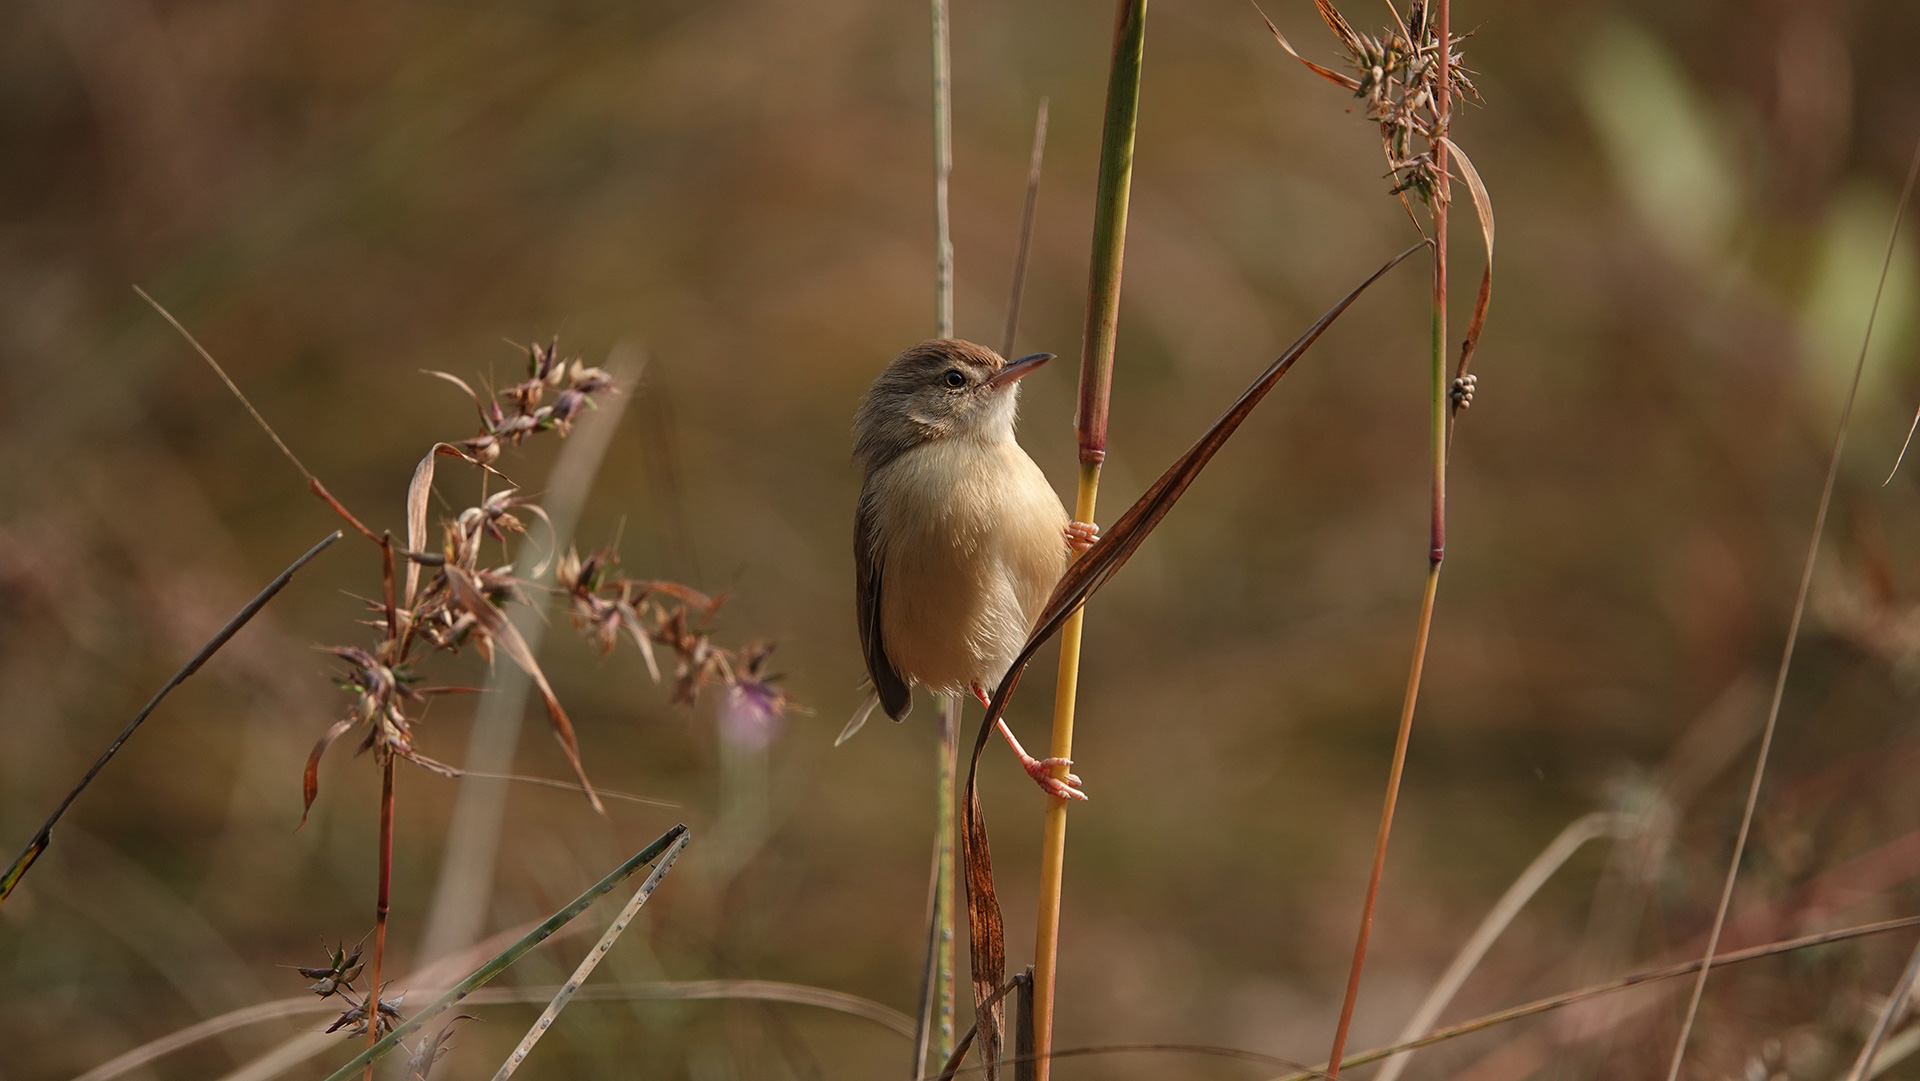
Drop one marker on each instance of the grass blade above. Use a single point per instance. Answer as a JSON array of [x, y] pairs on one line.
[[1111, 200], [44, 834], [1586, 828], [1793, 636], [508, 956], [592, 959]]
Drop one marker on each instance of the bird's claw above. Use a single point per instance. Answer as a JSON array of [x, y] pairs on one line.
[[1081, 535], [1041, 770]]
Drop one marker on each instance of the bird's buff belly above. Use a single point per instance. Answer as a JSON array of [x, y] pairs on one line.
[[952, 620]]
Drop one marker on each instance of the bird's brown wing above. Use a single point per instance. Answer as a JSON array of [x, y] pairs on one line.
[[895, 697]]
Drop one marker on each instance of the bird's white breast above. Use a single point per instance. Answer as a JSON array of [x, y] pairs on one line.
[[971, 539]]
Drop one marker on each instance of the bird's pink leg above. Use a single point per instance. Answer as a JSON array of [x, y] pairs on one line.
[[1040, 769], [1081, 535]]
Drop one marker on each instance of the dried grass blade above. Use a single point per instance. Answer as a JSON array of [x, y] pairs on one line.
[[508, 956], [1793, 631], [1017, 287], [310, 778], [44, 834], [419, 492], [592, 960], [1899, 1000], [502, 630], [1586, 828], [1483, 208], [1338, 24], [1084, 576], [458, 382], [688, 990], [1568, 998], [1336, 77], [313, 482]]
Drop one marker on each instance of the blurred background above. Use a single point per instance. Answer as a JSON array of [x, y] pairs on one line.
[[1693, 204]]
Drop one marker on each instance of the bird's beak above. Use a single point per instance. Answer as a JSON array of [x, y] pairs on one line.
[[1015, 369]]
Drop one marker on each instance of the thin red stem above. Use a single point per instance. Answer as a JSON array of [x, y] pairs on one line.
[[1437, 537], [380, 906]]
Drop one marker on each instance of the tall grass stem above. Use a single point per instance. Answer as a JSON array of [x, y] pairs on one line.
[[1090, 427], [1439, 417]]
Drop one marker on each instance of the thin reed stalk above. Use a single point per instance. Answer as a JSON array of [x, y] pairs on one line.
[[935, 1024], [1439, 418], [1090, 429], [933, 1031], [1793, 635]]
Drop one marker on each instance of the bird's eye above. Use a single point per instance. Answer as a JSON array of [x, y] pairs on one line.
[[954, 379]]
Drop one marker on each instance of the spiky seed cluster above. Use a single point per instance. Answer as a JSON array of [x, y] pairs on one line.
[[603, 604], [354, 1019], [572, 383], [462, 603], [336, 978], [1399, 81]]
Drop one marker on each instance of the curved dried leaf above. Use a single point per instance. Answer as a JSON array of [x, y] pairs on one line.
[[1327, 73], [501, 629], [1338, 24], [458, 382], [310, 780], [1483, 207], [540, 569], [419, 491], [645, 643]]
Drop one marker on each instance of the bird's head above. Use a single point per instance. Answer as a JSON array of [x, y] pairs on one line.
[[939, 389]]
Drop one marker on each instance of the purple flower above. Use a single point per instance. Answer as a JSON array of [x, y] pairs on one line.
[[752, 713]]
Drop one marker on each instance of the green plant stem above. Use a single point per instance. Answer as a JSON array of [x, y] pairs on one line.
[[500, 962], [1439, 413], [1090, 424]]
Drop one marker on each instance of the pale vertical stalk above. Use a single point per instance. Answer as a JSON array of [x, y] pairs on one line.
[[458, 912], [942, 165], [933, 1024], [1090, 428], [935, 1020], [1017, 286], [1441, 384]]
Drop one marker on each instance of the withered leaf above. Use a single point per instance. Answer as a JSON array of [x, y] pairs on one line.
[[501, 629]]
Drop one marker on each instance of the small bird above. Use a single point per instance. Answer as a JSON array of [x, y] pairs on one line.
[[959, 538]]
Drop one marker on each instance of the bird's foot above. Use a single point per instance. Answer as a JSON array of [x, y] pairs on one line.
[[1066, 786], [1081, 535]]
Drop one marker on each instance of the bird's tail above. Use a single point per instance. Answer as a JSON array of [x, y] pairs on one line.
[[859, 717]]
